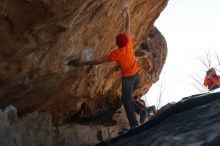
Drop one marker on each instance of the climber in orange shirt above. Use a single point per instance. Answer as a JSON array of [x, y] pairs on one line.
[[212, 80], [125, 58]]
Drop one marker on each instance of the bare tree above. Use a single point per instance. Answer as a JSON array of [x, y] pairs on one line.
[[161, 92], [207, 61], [198, 83], [218, 60]]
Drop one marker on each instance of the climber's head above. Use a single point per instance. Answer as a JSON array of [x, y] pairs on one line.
[[212, 71], [121, 40]]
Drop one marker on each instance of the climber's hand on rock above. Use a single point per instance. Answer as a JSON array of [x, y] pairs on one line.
[[126, 9], [75, 62]]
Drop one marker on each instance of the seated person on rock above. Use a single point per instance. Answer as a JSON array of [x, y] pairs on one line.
[[212, 80]]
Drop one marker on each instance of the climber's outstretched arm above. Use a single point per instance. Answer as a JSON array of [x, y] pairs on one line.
[[92, 62], [127, 25]]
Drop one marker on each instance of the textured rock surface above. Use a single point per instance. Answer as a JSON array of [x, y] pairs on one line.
[[38, 36], [196, 127], [32, 129], [37, 129]]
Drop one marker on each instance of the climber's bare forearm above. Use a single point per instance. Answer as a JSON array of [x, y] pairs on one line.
[[127, 22], [95, 62]]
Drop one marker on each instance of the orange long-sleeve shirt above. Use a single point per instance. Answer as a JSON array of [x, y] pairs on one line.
[[125, 57]]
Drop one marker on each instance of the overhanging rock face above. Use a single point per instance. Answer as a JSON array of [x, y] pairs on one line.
[[38, 36]]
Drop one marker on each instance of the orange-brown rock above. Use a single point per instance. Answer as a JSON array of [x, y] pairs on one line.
[[38, 36]]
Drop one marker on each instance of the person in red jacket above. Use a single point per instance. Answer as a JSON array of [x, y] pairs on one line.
[[212, 80]]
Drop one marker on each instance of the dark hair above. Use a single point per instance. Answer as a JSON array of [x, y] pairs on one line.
[[121, 40]]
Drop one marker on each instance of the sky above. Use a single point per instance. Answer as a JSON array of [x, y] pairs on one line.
[[191, 29]]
